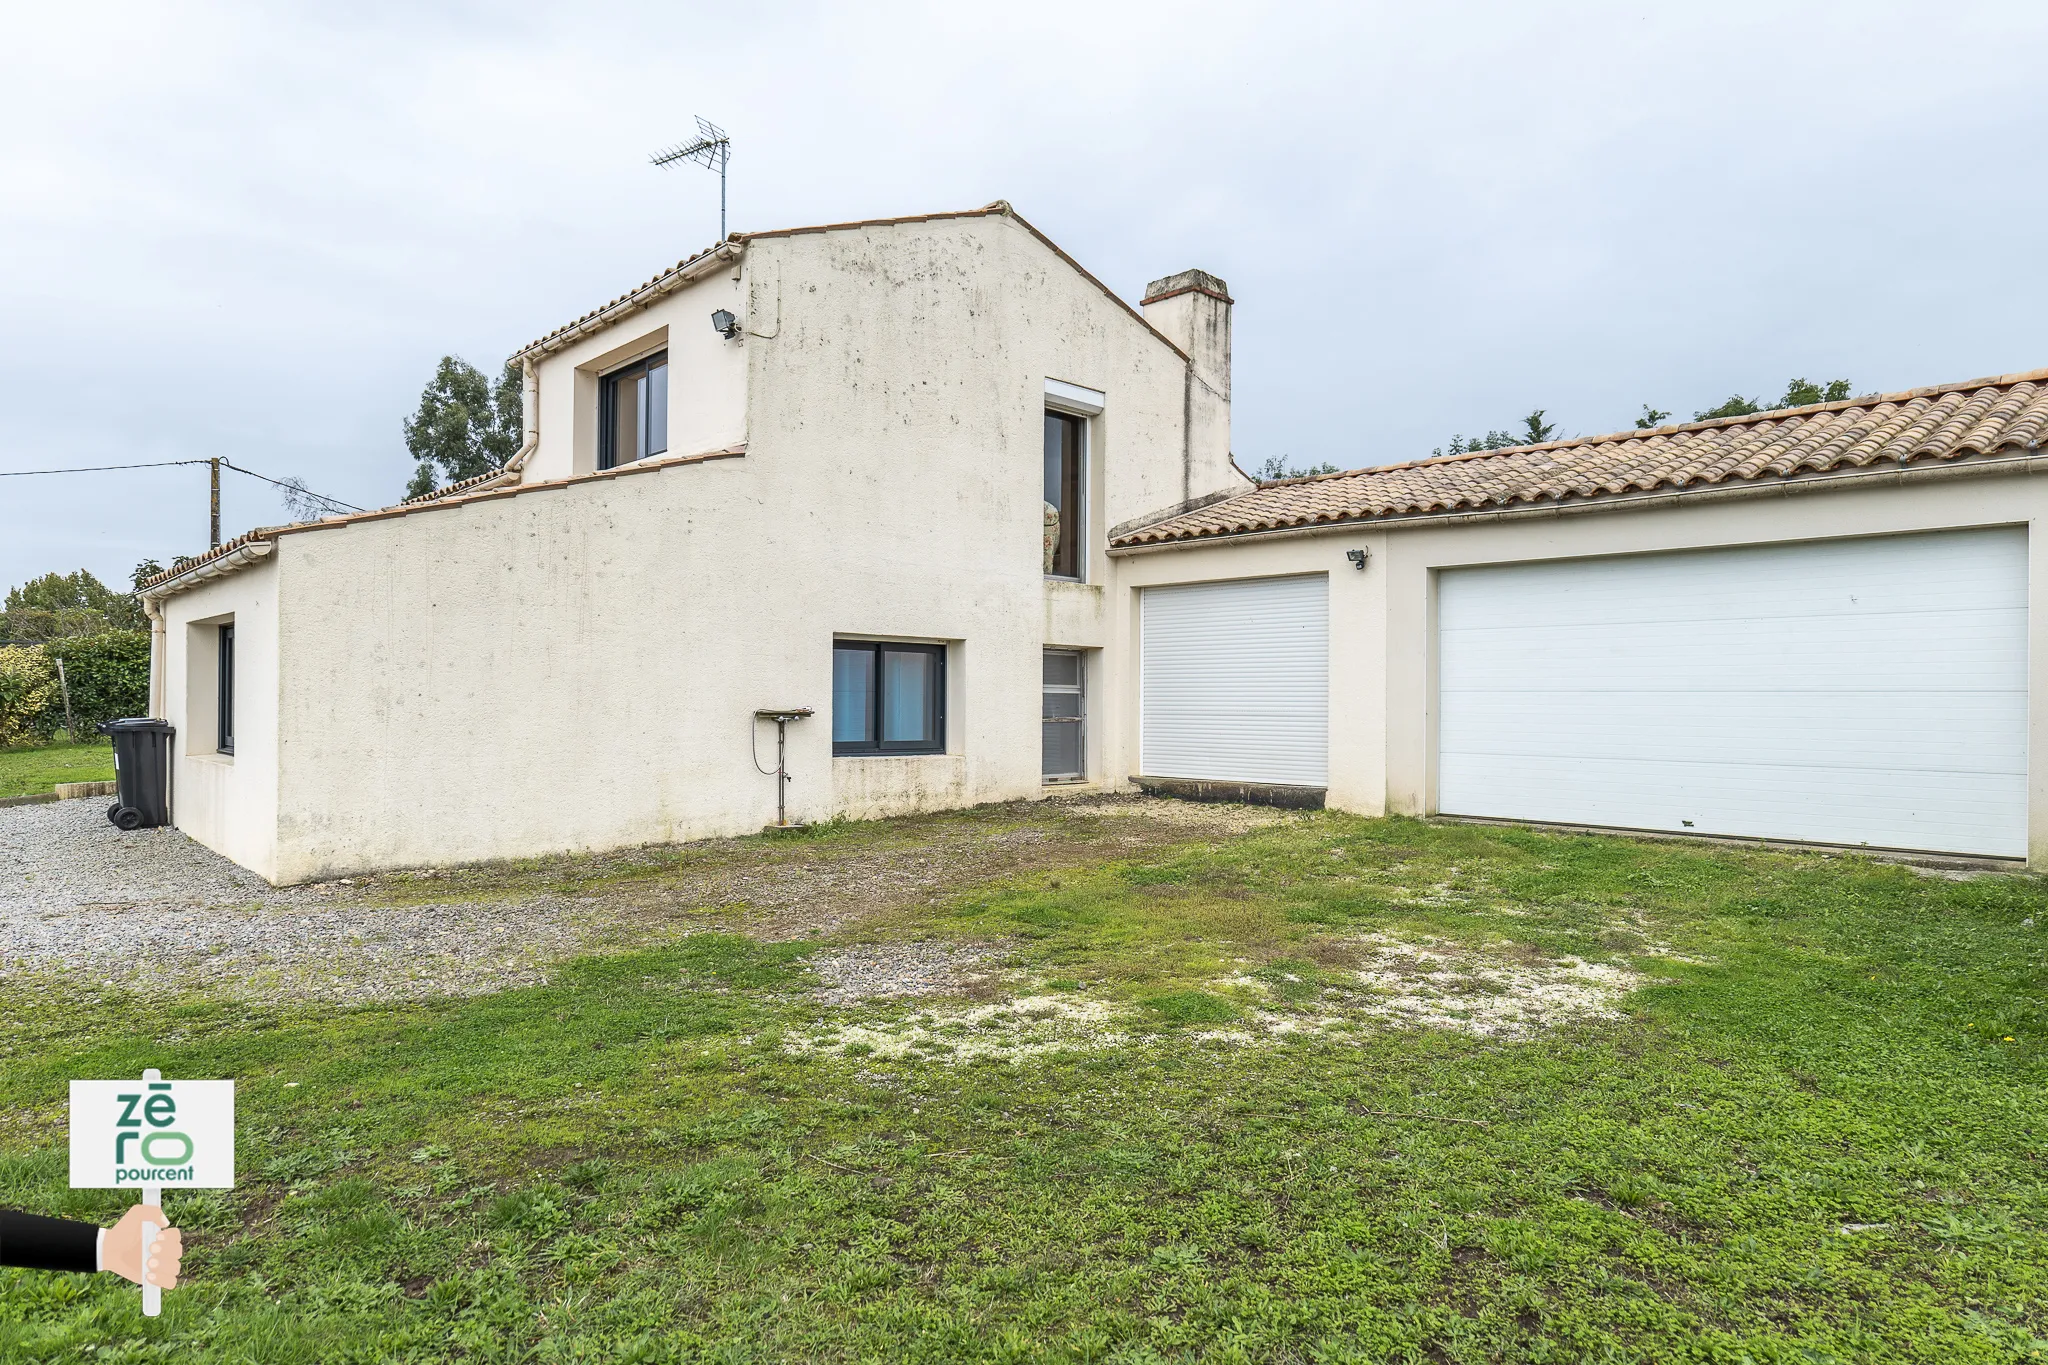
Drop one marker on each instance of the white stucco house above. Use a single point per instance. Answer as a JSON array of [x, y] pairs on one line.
[[930, 480]]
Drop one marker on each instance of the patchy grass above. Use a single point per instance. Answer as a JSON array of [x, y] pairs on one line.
[[34, 770], [1803, 1123]]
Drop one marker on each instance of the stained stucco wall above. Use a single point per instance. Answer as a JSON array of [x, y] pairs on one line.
[[227, 802], [576, 667], [1382, 645]]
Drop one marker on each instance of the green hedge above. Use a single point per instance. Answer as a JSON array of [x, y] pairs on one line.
[[108, 675]]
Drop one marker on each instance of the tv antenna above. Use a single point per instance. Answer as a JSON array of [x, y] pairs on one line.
[[711, 150]]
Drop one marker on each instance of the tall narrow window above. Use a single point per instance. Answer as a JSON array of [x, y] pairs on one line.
[[632, 412], [888, 699], [1060, 718], [1065, 440], [224, 720]]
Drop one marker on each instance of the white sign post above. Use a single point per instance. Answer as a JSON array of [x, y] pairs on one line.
[[149, 1134]]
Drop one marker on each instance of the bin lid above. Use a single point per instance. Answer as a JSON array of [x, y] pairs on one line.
[[147, 724]]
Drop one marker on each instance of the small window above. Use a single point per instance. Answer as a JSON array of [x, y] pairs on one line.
[[1062, 717], [224, 719], [1065, 442], [632, 412], [888, 699]]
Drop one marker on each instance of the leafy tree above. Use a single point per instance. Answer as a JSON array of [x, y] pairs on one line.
[[1276, 467], [58, 606], [465, 425], [1492, 440], [1535, 432], [1652, 417], [1799, 393]]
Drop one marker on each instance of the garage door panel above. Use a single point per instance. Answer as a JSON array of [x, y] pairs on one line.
[[1959, 650], [1948, 811], [1777, 582], [1234, 681], [1981, 735], [1859, 691]]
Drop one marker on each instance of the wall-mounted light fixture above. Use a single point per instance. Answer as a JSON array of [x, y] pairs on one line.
[[728, 326], [1357, 558]]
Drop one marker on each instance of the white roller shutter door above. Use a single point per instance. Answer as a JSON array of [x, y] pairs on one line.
[[1869, 691], [1235, 681]]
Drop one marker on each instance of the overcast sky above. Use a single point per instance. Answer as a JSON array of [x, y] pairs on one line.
[[251, 230]]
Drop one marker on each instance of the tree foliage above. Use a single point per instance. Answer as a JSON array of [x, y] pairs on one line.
[[1535, 432], [1651, 418], [30, 706], [1799, 393], [58, 606], [108, 675], [465, 424], [1277, 467]]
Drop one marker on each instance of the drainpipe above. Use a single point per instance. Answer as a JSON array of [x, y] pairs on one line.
[[156, 656]]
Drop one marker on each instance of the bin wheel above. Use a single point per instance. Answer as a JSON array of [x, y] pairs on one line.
[[125, 817], [113, 812]]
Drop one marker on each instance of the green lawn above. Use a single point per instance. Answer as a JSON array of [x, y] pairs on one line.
[[27, 772], [1813, 1131]]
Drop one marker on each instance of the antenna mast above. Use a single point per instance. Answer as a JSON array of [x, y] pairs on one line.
[[711, 150]]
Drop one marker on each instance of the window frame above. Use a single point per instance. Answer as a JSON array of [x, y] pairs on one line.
[[1079, 720], [935, 711], [607, 408], [224, 690], [1076, 524]]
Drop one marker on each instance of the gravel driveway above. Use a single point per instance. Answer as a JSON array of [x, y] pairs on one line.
[[152, 907]]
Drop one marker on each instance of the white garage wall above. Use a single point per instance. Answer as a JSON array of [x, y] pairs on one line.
[[1235, 681], [1853, 691]]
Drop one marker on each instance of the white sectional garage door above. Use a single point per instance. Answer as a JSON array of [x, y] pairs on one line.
[[1868, 691], [1235, 681]]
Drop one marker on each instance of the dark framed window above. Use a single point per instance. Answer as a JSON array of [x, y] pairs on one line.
[[1066, 443], [632, 412], [888, 698], [224, 719]]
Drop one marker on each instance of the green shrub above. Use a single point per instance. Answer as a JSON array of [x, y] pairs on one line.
[[108, 675], [30, 708]]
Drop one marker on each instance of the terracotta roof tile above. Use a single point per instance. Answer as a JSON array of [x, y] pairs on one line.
[[1943, 423]]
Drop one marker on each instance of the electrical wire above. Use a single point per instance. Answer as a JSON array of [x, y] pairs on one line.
[[299, 489], [97, 468]]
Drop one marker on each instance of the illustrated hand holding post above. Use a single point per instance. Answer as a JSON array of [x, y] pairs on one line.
[[152, 1134]]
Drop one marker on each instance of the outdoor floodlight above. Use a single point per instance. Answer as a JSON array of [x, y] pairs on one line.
[[728, 326]]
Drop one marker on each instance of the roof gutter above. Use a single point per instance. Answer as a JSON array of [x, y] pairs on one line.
[[641, 299], [256, 549], [2033, 462]]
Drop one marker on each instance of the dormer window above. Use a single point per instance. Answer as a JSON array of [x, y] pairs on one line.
[[632, 412]]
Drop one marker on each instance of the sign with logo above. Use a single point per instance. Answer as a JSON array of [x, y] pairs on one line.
[[157, 1134]]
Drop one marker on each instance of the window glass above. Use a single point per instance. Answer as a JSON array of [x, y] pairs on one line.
[[906, 696], [853, 696], [632, 412], [1063, 437], [224, 721], [888, 698], [654, 431]]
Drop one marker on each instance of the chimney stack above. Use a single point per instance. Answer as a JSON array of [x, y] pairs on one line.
[[1192, 310]]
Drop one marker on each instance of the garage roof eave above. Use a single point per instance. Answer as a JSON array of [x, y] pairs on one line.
[[2028, 460]]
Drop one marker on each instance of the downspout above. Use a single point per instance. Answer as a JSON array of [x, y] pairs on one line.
[[157, 661], [529, 416]]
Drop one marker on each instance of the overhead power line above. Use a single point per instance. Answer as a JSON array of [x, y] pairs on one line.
[[291, 486]]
